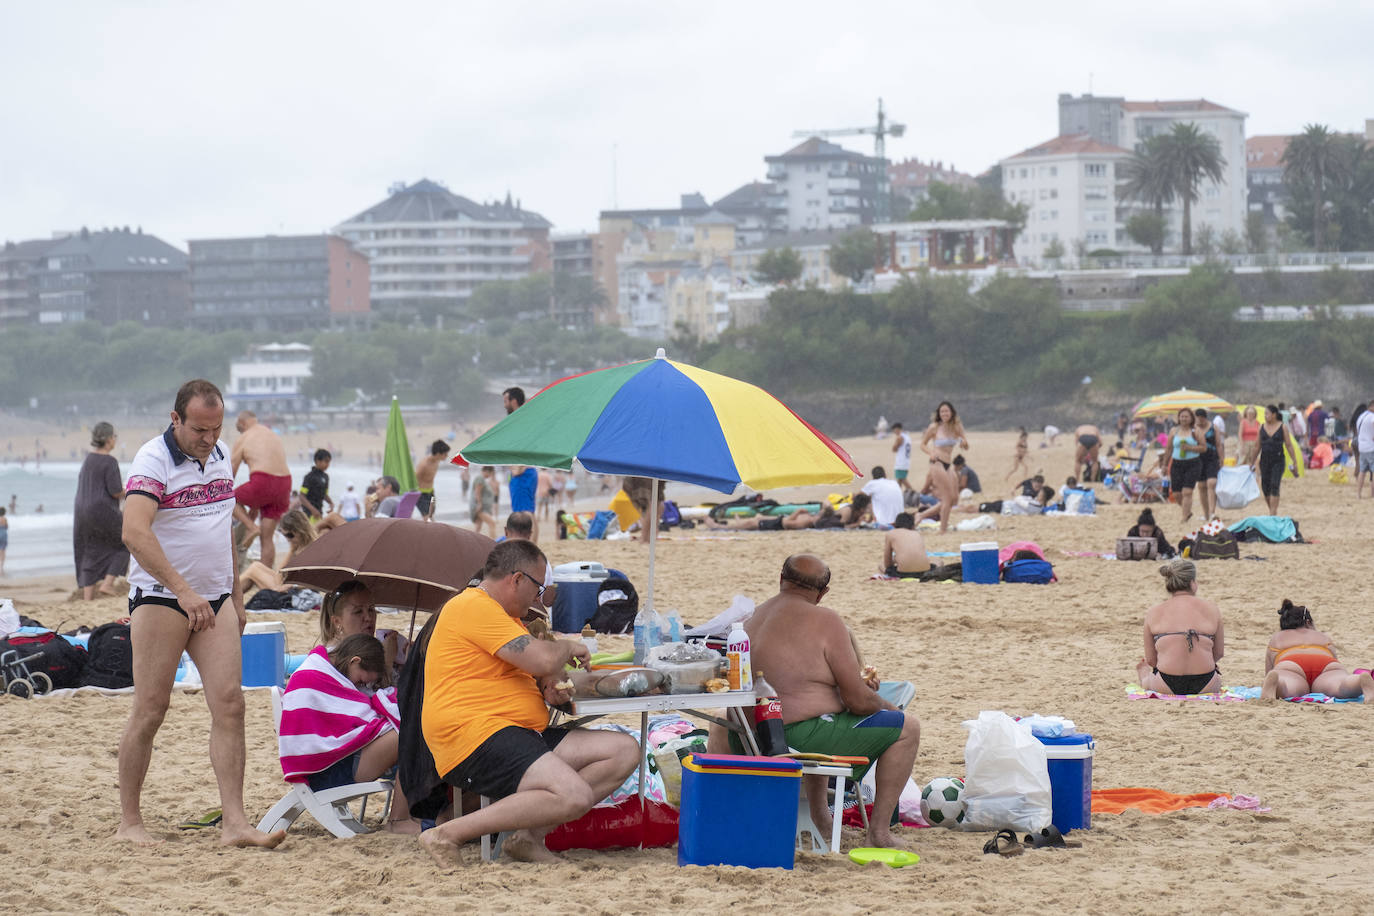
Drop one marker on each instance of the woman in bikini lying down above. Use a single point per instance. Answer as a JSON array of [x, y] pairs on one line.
[[1183, 637], [1302, 660]]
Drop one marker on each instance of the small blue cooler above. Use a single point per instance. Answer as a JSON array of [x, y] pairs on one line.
[[1071, 780], [979, 560], [264, 654], [575, 603], [738, 810]]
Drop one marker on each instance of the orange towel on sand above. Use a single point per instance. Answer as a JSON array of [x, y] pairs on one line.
[[1151, 801]]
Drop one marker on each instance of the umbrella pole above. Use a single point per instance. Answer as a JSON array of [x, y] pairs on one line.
[[653, 537], [413, 609]]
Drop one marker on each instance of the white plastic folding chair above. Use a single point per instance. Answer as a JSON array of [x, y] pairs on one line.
[[329, 806]]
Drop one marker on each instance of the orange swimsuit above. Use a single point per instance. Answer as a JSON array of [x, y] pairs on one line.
[[1311, 659]]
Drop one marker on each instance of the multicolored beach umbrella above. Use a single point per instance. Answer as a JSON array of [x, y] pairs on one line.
[[1171, 402], [667, 420]]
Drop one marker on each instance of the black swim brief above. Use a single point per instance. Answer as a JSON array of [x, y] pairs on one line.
[[894, 572], [1187, 684], [499, 763], [1088, 440], [140, 597], [770, 523]]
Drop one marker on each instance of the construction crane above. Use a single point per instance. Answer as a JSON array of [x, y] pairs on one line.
[[880, 131]]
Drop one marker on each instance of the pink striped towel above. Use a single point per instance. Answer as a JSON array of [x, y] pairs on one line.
[[325, 718]]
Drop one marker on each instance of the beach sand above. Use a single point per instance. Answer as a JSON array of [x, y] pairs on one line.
[[1066, 649]]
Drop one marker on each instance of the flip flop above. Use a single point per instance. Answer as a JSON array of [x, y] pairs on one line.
[[892, 858], [208, 819], [1050, 838], [1003, 844]]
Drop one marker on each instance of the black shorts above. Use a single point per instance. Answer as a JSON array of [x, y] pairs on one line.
[[499, 763], [770, 523], [1211, 465], [1184, 475], [140, 597], [1270, 476], [423, 503]]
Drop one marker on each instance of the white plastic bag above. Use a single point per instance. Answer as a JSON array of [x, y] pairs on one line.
[[9, 618], [741, 608], [1006, 776], [1236, 488]]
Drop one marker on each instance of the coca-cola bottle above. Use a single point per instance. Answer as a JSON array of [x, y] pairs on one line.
[[768, 718]]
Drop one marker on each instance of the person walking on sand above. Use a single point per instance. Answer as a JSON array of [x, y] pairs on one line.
[[177, 526], [97, 525], [901, 457], [942, 435], [425, 470], [268, 490], [1020, 461]]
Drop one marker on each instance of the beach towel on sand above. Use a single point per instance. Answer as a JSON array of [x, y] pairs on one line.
[[324, 718], [1151, 801], [1230, 694]]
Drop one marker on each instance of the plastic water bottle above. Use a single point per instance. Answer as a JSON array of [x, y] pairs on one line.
[[737, 651], [642, 622], [768, 719], [674, 626], [589, 638], [655, 630]]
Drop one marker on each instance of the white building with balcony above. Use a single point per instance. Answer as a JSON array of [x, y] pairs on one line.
[[429, 248], [1069, 184], [270, 379], [821, 186]]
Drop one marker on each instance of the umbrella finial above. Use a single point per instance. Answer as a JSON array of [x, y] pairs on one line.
[[661, 354]]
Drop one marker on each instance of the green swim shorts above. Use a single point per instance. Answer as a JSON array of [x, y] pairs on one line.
[[900, 473], [843, 734]]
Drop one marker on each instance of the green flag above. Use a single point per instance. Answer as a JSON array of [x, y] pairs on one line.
[[396, 460]]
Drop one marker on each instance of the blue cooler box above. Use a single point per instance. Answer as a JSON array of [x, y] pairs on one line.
[[738, 811], [1071, 780], [980, 562], [264, 654], [575, 603]]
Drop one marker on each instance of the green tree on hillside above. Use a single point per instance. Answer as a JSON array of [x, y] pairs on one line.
[[1314, 159], [1147, 228], [1147, 180], [1329, 180], [985, 201], [779, 266], [856, 254]]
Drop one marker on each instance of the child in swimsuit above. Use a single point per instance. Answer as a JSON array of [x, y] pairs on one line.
[[1301, 660]]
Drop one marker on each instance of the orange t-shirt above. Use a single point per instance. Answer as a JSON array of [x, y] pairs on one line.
[[470, 694]]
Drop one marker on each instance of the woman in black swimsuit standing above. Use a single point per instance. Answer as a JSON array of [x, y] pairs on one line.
[[1270, 460], [1183, 637]]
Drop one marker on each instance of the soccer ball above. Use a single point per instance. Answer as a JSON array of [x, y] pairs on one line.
[[942, 801]]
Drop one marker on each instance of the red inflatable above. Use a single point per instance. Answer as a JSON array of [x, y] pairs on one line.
[[625, 825]]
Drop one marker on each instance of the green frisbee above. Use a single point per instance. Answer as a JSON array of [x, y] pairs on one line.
[[892, 858]]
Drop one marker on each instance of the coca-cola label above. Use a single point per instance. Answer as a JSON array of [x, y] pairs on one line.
[[767, 708]]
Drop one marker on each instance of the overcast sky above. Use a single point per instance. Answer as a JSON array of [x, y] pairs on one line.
[[199, 120]]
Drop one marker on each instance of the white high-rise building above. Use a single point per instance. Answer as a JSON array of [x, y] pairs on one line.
[[1069, 184]]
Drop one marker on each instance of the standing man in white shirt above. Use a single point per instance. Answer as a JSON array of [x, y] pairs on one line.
[[886, 495], [177, 527], [901, 456], [1364, 442]]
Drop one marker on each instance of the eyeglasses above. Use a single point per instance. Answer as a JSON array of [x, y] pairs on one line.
[[538, 584]]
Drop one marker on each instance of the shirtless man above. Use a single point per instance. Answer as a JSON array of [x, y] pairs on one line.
[[424, 478], [827, 706], [904, 550], [268, 490], [1087, 444]]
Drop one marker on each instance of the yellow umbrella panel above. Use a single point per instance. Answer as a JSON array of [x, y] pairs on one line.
[[1171, 402]]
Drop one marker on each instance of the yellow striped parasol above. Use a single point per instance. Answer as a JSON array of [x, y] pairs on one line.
[[1170, 403]]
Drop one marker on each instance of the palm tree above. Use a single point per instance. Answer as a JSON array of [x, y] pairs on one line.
[[1188, 156], [1314, 158], [1147, 181]]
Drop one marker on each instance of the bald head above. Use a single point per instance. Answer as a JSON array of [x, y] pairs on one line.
[[246, 420], [805, 572]]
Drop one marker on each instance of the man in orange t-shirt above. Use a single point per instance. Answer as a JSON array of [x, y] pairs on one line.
[[488, 684]]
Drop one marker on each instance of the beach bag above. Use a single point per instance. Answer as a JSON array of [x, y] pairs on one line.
[[1079, 502], [1129, 548], [1028, 571], [267, 599], [949, 572], [1337, 474], [110, 658], [617, 603], [1236, 488], [596, 528], [671, 515], [1006, 776], [61, 661], [1220, 546]]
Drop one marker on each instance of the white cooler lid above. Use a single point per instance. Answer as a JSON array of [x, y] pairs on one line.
[[581, 570], [979, 545], [266, 626]]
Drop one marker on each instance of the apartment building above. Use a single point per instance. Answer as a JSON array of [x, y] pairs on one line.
[[19, 268], [1069, 184], [107, 276], [911, 180], [429, 248], [822, 186], [812, 247], [278, 283]]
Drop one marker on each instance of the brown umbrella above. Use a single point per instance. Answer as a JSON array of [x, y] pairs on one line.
[[404, 562]]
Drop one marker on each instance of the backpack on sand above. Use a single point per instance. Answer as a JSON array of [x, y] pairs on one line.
[[110, 662]]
